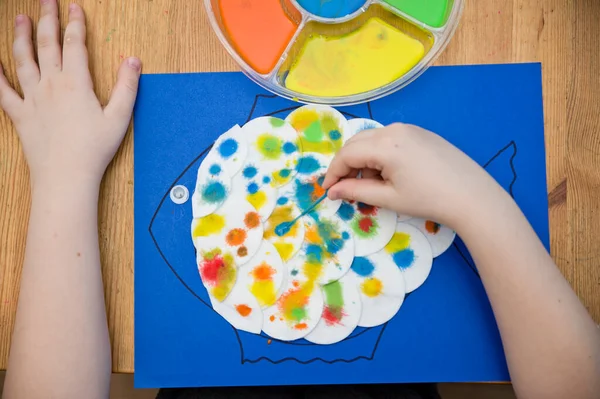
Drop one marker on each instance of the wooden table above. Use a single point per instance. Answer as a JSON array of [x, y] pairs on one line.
[[175, 36]]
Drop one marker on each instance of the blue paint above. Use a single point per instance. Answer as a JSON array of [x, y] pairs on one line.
[[362, 266], [289, 148], [249, 172], [215, 169], [307, 165], [285, 173], [283, 228], [331, 8], [335, 135], [404, 259], [228, 148], [346, 212], [334, 245], [282, 201], [345, 235], [266, 180], [214, 192], [304, 195], [314, 253], [252, 188]]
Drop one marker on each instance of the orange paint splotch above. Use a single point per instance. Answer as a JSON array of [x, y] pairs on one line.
[[252, 220], [236, 237], [269, 341], [296, 284], [243, 310], [272, 318], [301, 326], [242, 251], [263, 272], [432, 227]]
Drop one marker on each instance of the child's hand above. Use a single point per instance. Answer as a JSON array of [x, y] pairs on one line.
[[66, 135], [409, 170]]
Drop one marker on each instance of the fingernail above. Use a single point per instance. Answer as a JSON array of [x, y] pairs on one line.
[[333, 195], [72, 7], [134, 63], [19, 19]]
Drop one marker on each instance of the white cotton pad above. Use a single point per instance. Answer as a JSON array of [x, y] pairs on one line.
[[439, 236], [401, 217], [289, 243], [231, 148], [217, 270], [411, 253], [240, 309], [213, 186], [263, 275], [298, 309], [250, 185], [305, 188], [273, 147], [328, 248], [321, 128], [236, 228], [381, 287], [341, 312], [357, 125], [372, 227]]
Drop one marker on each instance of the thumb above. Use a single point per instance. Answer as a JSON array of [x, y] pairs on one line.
[[369, 191], [124, 93]]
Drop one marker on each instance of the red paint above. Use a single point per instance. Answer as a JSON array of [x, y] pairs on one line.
[[332, 317], [210, 269], [367, 209], [365, 224]]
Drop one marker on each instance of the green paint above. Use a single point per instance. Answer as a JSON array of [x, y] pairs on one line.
[[334, 299], [329, 123], [269, 146], [298, 314], [109, 37], [276, 122], [355, 225], [313, 132], [431, 12]]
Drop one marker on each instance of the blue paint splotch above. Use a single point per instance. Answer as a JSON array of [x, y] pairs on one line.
[[335, 135], [308, 165], [405, 258], [228, 147], [282, 201], [362, 266], [304, 195], [249, 172], [346, 212], [215, 169], [214, 192], [289, 148], [266, 179], [314, 253], [253, 188]]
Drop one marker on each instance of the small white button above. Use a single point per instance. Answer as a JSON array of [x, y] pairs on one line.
[[179, 194]]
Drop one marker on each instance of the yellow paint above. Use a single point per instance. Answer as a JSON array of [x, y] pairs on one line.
[[257, 200], [208, 225], [372, 287], [285, 250], [315, 129], [281, 214], [399, 242], [370, 57], [264, 291]]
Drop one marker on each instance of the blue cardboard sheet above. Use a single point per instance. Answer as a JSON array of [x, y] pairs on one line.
[[445, 330]]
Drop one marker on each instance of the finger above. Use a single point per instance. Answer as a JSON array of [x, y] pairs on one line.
[[27, 70], [369, 191], [48, 44], [9, 99], [75, 55], [370, 174], [353, 156], [362, 135], [121, 101]]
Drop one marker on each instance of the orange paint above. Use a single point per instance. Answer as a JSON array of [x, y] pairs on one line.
[[243, 310], [252, 220], [236, 237], [272, 318], [301, 326], [263, 272], [259, 30], [269, 341], [432, 227], [242, 251]]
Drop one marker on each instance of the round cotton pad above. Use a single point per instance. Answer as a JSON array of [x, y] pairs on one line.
[[439, 236], [381, 287], [236, 227], [232, 149], [372, 227], [401, 217], [289, 243], [322, 129], [213, 186], [273, 147], [217, 271], [328, 248], [411, 252], [341, 312], [263, 275], [240, 309], [357, 125], [298, 309], [255, 188]]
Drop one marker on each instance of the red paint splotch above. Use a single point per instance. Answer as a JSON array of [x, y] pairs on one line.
[[243, 310], [211, 268], [365, 224], [333, 316], [432, 227], [367, 210]]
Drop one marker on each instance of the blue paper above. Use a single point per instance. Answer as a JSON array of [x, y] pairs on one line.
[[445, 330]]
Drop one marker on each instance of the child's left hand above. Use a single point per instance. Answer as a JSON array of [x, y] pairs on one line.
[[67, 136]]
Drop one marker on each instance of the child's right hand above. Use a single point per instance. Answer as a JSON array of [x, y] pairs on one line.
[[411, 171]]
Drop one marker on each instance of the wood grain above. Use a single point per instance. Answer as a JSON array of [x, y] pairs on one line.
[[174, 36]]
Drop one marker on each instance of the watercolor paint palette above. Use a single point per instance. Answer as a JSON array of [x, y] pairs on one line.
[[336, 52], [278, 257]]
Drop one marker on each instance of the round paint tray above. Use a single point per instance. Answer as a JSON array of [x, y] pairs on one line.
[[337, 52]]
